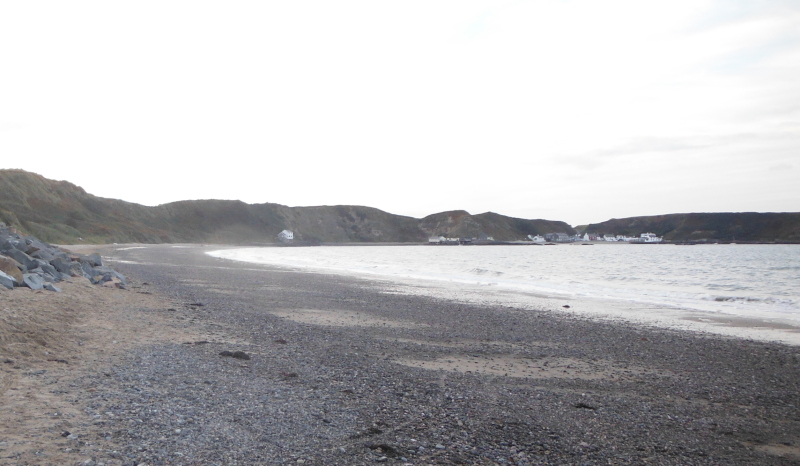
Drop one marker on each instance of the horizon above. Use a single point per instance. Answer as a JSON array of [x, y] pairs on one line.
[[554, 110]]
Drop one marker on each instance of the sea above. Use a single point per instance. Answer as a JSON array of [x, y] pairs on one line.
[[751, 291]]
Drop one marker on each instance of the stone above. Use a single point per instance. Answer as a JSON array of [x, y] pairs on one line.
[[32, 281], [51, 287], [87, 270], [43, 254], [240, 355], [11, 267], [8, 281], [61, 264], [75, 269], [48, 269], [113, 273], [27, 261], [33, 245], [93, 259], [6, 245]]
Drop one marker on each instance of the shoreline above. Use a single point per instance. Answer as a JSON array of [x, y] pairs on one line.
[[773, 328], [346, 371]]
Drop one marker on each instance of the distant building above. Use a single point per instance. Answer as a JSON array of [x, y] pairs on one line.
[[558, 237], [286, 235], [537, 238]]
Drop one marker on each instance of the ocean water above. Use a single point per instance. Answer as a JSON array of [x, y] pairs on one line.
[[751, 281]]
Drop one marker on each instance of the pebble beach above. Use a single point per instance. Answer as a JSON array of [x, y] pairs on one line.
[[214, 362]]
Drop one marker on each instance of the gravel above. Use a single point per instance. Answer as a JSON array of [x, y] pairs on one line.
[[326, 394]]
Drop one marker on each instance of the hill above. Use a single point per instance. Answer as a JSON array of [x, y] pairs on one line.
[[61, 212], [709, 227]]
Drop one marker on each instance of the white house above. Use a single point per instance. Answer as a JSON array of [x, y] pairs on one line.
[[536, 239], [286, 235]]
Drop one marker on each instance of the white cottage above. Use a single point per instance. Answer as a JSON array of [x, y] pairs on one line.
[[286, 235]]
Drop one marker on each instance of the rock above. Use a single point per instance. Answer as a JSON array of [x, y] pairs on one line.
[[75, 269], [240, 355], [51, 287], [234, 354], [113, 283], [11, 267], [44, 255], [87, 270], [33, 281], [48, 269], [27, 261], [61, 264], [6, 245], [93, 259], [8, 281], [33, 245], [113, 273]]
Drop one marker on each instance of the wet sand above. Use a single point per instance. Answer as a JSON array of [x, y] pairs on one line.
[[344, 371]]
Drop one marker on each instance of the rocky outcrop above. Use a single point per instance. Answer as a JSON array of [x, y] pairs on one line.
[[27, 261]]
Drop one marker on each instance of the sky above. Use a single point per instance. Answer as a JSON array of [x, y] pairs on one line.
[[578, 111]]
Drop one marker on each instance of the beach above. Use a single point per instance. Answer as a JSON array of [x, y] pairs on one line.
[[332, 369]]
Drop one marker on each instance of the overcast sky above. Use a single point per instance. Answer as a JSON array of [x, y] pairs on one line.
[[568, 110]]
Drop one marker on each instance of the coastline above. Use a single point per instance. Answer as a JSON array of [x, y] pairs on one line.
[[345, 371], [696, 316]]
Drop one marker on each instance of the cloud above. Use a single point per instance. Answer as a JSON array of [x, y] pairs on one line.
[[10, 126], [781, 167], [635, 147]]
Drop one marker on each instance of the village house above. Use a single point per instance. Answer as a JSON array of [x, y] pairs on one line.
[[286, 235], [558, 237]]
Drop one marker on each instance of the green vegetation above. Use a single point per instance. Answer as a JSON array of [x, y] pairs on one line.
[[740, 227], [60, 212]]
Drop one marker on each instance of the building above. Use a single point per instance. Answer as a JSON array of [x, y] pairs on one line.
[[558, 237], [286, 235]]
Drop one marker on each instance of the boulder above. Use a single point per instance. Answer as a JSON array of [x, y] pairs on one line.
[[48, 269], [61, 264], [75, 269], [108, 270], [93, 259], [8, 281], [33, 281], [51, 287], [11, 267], [27, 261], [88, 270], [33, 245], [99, 279], [43, 254], [61, 254]]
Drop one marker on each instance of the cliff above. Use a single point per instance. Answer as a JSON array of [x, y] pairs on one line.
[[61, 212]]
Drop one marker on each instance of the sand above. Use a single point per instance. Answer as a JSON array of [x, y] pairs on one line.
[[51, 343], [344, 371]]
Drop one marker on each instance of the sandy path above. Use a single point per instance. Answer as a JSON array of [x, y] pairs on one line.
[[52, 345]]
